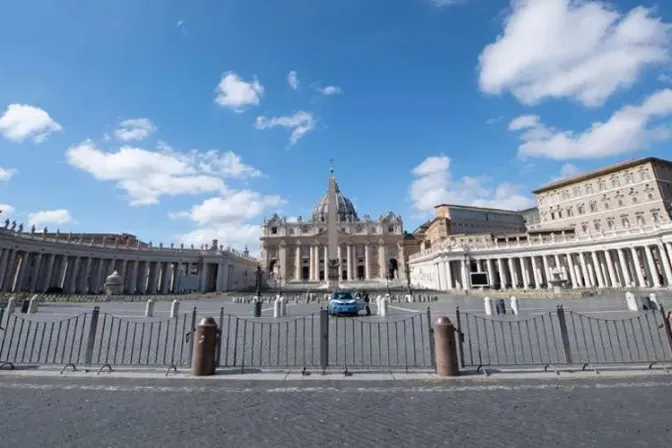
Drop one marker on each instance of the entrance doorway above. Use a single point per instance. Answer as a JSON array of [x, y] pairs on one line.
[[360, 272], [393, 268], [305, 273]]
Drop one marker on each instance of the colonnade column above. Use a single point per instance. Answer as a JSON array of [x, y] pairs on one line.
[[638, 268], [298, 264], [348, 256], [655, 278], [597, 269], [367, 262], [666, 264], [610, 268], [449, 274], [502, 274]]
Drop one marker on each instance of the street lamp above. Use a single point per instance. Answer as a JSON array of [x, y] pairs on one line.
[[258, 274], [279, 281], [407, 269]]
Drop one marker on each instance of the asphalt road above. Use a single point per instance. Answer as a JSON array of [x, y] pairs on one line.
[[60, 412]]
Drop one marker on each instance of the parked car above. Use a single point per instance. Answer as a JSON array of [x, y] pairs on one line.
[[345, 303]]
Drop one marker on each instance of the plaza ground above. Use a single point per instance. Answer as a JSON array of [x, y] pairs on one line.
[[104, 411]]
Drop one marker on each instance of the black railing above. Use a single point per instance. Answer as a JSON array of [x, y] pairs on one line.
[[561, 338]]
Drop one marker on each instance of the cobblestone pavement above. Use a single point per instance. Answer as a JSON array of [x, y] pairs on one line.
[[107, 412]]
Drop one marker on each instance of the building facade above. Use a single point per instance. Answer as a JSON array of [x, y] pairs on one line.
[[369, 250], [630, 194], [41, 262], [610, 228]]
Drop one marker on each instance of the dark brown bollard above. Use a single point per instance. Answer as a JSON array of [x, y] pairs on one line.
[[205, 345], [445, 346]]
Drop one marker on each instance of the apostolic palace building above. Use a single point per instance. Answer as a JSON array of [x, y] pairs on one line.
[[609, 228]]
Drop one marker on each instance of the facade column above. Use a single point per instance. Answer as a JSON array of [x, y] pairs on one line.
[[37, 271], [572, 271], [367, 262], [638, 268], [514, 274], [524, 272], [382, 274], [133, 284], [440, 275], [597, 269], [584, 271], [610, 269], [536, 273], [46, 282], [502, 274], [18, 285], [348, 254], [653, 269], [311, 263], [166, 273], [623, 261], [449, 274], [3, 265], [297, 265], [665, 261], [465, 276], [324, 263], [491, 278], [283, 261], [547, 270], [85, 284], [74, 274]]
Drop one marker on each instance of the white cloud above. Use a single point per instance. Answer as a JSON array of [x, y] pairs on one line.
[[135, 129], [21, 122], [664, 77], [6, 174], [568, 170], [300, 123], [330, 90], [584, 50], [224, 218], [293, 80], [6, 211], [49, 217], [444, 3], [434, 184], [630, 128], [494, 120], [147, 175], [238, 95]]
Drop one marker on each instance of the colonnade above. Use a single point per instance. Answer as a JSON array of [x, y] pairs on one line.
[[644, 265]]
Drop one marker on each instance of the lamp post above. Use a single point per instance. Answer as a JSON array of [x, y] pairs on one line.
[[387, 283], [257, 305], [407, 269], [279, 281]]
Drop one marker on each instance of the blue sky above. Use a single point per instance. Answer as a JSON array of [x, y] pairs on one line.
[[181, 121]]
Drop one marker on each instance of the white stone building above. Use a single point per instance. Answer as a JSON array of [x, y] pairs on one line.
[[36, 262], [294, 253], [607, 229]]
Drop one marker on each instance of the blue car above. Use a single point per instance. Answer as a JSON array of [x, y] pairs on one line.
[[345, 303]]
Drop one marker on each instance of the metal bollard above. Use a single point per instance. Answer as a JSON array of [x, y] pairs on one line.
[[277, 308], [487, 302], [205, 345], [11, 306], [149, 308], [174, 309], [514, 305], [445, 346], [383, 307], [32, 305]]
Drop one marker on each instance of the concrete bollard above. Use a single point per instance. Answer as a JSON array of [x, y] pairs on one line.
[[383, 307], [283, 302], [514, 305], [32, 306], [277, 308], [655, 305], [631, 301], [149, 308], [378, 299], [445, 347], [488, 306], [174, 309], [205, 345], [11, 306]]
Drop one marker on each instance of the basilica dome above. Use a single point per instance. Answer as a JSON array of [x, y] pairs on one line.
[[344, 211]]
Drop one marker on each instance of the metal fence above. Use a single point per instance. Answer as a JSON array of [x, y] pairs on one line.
[[563, 338], [314, 341], [96, 339]]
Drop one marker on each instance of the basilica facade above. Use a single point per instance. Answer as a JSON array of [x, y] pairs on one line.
[[295, 252]]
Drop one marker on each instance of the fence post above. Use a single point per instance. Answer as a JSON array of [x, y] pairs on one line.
[[430, 328], [324, 340], [218, 354], [91, 340], [191, 333], [560, 311], [460, 336], [667, 325]]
